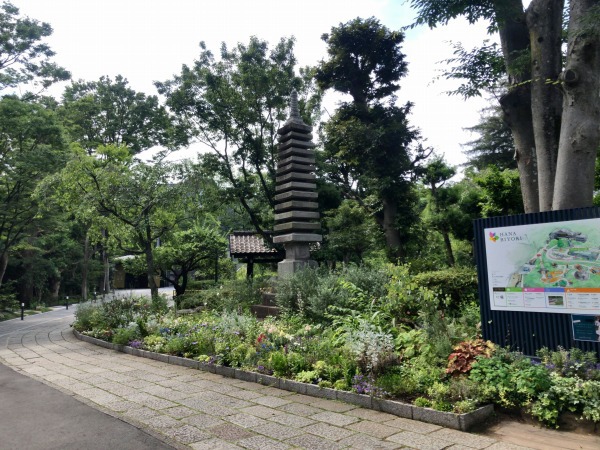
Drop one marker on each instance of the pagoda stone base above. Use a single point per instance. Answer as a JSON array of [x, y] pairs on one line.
[[297, 257]]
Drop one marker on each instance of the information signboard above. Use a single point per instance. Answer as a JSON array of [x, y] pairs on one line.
[[586, 328], [545, 267]]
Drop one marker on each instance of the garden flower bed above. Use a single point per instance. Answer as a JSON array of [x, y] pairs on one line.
[[456, 421], [369, 348]]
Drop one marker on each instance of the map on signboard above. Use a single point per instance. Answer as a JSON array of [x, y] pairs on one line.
[[551, 267]]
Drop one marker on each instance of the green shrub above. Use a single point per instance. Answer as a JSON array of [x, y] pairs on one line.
[[123, 336], [568, 394], [510, 380], [457, 283]]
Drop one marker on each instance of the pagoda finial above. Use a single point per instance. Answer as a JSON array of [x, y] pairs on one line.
[[294, 111]]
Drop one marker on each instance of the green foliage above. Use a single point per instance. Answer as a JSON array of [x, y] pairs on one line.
[[494, 146], [510, 380], [568, 394], [458, 284], [501, 192], [123, 336], [107, 112], [571, 363], [234, 103], [25, 55]]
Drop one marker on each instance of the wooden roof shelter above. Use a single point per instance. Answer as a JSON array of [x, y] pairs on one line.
[[250, 247]]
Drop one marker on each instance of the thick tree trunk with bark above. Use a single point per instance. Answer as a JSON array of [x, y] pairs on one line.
[[544, 20], [516, 104], [390, 230], [448, 246], [84, 268], [3, 265], [580, 130], [151, 269]]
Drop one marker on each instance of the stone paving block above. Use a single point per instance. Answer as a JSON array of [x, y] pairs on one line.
[[151, 401], [334, 418], [246, 420], [362, 442], [261, 411], [292, 420], [141, 413], [187, 434], [419, 441], [161, 421], [373, 429], [214, 444], [121, 406], [203, 421], [460, 437], [311, 442], [239, 393], [165, 393], [262, 443], [277, 431], [300, 409], [272, 402], [328, 431], [332, 405], [506, 446], [266, 390], [412, 425], [230, 432], [211, 408], [179, 412], [369, 414]]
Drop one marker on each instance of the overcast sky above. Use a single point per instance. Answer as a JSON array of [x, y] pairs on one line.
[[149, 40]]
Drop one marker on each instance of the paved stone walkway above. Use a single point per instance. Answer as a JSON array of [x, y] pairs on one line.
[[191, 408]]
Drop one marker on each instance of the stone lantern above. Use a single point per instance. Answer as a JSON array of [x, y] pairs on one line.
[[296, 207]]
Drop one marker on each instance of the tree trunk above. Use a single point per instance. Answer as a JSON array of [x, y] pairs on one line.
[[392, 235], [3, 265], [151, 271], [580, 129], [85, 268], [516, 104], [448, 246], [106, 264], [55, 289], [544, 20]]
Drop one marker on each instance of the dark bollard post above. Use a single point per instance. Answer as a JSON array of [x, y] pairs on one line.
[[22, 311], [67, 302]]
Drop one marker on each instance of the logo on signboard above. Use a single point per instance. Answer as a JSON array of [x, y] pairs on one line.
[[505, 236]]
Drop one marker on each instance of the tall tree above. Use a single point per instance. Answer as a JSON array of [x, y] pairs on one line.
[[494, 145], [234, 105], [24, 56], [107, 112], [136, 202], [369, 141], [184, 252], [32, 146], [548, 106]]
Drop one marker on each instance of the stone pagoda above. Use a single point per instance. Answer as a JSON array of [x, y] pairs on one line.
[[296, 215]]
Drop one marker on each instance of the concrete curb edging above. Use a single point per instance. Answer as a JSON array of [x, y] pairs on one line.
[[455, 421]]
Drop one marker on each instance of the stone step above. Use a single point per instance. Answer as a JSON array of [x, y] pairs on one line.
[[268, 299], [262, 311]]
